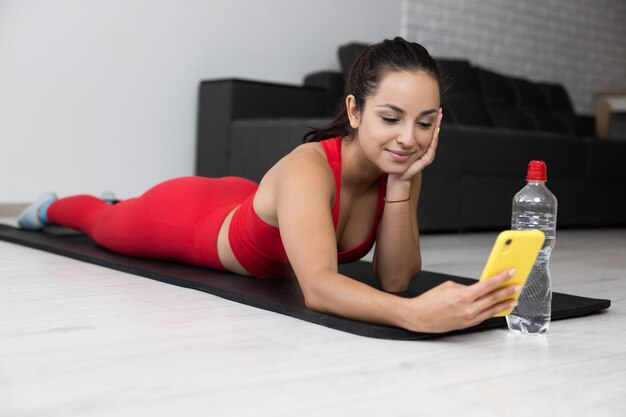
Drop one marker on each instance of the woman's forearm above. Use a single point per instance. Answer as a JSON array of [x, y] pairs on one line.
[[338, 294], [397, 256]]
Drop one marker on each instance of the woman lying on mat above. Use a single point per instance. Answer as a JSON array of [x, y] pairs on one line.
[[353, 182]]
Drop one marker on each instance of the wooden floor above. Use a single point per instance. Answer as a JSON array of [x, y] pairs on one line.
[[81, 340]]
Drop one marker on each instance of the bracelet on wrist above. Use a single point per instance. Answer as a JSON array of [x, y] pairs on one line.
[[397, 201]]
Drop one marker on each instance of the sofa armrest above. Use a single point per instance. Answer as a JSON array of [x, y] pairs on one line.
[[260, 143], [220, 102]]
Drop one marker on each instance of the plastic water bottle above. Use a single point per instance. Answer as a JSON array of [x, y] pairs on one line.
[[534, 208]]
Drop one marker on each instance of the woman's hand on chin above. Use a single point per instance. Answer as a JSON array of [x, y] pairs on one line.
[[427, 158]]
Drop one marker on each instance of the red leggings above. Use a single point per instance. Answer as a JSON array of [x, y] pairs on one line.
[[176, 220]]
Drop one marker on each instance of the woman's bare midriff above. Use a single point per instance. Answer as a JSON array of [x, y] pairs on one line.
[[224, 252]]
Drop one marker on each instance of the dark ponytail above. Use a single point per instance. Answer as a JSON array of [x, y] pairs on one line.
[[365, 74]]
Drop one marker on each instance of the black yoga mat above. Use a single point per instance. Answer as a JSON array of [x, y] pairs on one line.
[[278, 295]]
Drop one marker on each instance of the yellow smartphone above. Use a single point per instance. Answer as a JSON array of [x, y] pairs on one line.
[[514, 249]]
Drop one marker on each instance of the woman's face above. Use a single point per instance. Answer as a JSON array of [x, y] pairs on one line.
[[396, 125]]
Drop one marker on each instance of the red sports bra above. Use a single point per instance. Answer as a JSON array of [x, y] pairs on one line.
[[257, 245]]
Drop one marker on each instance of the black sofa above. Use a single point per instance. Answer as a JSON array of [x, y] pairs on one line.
[[493, 126]]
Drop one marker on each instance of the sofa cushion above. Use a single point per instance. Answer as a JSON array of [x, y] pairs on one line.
[[462, 95], [561, 106], [496, 88], [528, 94], [500, 100], [511, 118], [531, 99], [488, 151], [458, 75], [348, 53], [556, 96], [466, 109]]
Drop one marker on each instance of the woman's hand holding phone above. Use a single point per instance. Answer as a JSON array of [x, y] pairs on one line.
[[452, 306]]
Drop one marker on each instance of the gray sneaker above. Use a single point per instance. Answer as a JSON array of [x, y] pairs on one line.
[[29, 217], [108, 197]]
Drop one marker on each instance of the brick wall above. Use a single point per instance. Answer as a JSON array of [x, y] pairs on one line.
[[581, 44]]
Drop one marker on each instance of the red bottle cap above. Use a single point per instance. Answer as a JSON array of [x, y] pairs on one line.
[[536, 171]]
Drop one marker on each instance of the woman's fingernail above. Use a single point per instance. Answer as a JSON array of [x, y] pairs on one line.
[[512, 272], [518, 288], [514, 304]]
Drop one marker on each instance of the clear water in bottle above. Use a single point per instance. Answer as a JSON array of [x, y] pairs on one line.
[[535, 208]]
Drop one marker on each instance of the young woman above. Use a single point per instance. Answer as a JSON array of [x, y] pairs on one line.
[[356, 181]]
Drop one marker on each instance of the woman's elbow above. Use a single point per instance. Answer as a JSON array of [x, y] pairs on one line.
[[317, 287], [312, 300], [399, 282], [396, 285], [311, 303]]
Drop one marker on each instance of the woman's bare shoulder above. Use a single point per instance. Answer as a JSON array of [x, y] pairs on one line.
[[308, 160], [306, 151], [304, 169]]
